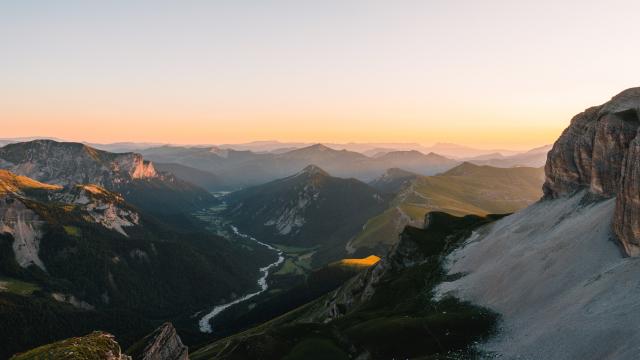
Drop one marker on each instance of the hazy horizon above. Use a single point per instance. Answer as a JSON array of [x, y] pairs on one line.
[[496, 74], [389, 145]]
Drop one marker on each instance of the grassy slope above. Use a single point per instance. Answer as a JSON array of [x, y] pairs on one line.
[[466, 189], [11, 183], [95, 346], [17, 287]]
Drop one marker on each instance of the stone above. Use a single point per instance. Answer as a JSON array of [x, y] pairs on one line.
[[600, 152]]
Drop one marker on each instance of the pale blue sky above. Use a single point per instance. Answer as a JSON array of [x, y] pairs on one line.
[[508, 73]]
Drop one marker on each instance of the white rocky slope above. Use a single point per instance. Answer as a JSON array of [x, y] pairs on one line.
[[25, 226], [103, 207], [563, 287]]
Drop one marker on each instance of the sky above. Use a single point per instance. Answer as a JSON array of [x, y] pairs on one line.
[[487, 73]]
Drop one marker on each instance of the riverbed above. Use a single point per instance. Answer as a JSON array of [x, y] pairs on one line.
[[205, 321]]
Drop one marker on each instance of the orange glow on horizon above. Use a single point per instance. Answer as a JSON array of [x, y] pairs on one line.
[[483, 130]]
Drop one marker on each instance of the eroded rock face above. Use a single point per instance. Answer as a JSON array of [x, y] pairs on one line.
[[600, 152], [103, 207], [163, 344], [26, 228]]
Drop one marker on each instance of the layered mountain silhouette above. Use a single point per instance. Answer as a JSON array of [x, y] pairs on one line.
[[246, 168]]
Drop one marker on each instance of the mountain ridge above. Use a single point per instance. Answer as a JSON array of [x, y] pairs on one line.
[[67, 164]]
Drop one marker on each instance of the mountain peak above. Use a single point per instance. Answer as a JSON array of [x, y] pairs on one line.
[[320, 147], [314, 170]]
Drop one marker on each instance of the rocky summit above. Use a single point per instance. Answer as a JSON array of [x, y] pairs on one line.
[[163, 344], [600, 152]]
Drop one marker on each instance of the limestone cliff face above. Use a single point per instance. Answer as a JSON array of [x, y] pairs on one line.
[[26, 228], [600, 152], [102, 206], [163, 344]]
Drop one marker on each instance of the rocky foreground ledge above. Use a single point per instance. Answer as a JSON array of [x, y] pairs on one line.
[[163, 344]]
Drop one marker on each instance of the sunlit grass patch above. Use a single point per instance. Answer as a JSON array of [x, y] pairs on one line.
[[17, 287]]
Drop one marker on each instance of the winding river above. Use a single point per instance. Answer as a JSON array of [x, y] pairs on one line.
[[205, 321]]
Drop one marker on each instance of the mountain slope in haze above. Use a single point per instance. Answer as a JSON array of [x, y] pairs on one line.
[[532, 158], [465, 189], [67, 164], [309, 209], [461, 151], [415, 161], [393, 180], [203, 179], [245, 168], [92, 261]]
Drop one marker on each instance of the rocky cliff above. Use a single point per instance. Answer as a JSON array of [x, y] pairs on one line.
[[163, 344], [600, 152], [25, 226]]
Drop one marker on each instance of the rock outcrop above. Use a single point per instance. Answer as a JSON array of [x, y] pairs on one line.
[[103, 207], [26, 228], [163, 344], [600, 152]]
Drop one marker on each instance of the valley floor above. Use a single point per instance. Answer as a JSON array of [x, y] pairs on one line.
[[561, 284]]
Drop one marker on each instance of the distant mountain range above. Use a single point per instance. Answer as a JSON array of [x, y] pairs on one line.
[[369, 149], [240, 165], [533, 158], [246, 168]]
